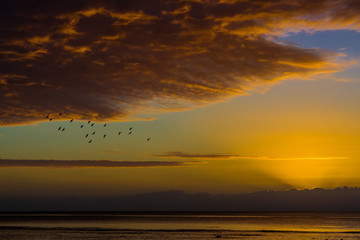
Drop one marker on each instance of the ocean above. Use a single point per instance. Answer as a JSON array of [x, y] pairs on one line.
[[179, 226]]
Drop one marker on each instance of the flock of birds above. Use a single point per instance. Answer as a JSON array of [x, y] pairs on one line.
[[91, 124]]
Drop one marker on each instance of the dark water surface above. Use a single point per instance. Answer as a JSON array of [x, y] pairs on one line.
[[281, 226]]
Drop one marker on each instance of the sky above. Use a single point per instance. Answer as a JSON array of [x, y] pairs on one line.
[[234, 96]]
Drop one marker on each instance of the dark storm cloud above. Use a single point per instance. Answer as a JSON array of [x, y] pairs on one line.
[[91, 163], [105, 60]]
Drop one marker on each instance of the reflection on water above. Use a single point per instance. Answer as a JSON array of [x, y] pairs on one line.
[[181, 226]]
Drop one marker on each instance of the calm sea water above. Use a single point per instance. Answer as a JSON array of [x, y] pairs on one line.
[[256, 226]]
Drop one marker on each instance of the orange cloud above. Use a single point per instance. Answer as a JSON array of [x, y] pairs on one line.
[[282, 17], [77, 49], [105, 61]]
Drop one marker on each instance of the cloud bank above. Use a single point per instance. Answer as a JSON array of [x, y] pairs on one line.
[[235, 156], [104, 61], [91, 163]]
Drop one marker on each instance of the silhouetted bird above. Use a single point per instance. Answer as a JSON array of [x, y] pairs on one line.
[[90, 141], [59, 128], [71, 120], [47, 116], [130, 129], [86, 135], [81, 126], [60, 114], [63, 129], [105, 125], [50, 119], [89, 122], [93, 133], [92, 124], [119, 133], [148, 139], [129, 132], [104, 136]]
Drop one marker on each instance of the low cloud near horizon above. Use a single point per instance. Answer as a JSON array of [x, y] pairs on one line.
[[235, 156], [108, 61], [91, 163]]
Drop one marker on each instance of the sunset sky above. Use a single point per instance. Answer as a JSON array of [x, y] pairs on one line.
[[235, 95]]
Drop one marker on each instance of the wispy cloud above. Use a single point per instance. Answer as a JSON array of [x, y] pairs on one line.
[[92, 163], [109, 60], [195, 156], [235, 156], [352, 80]]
